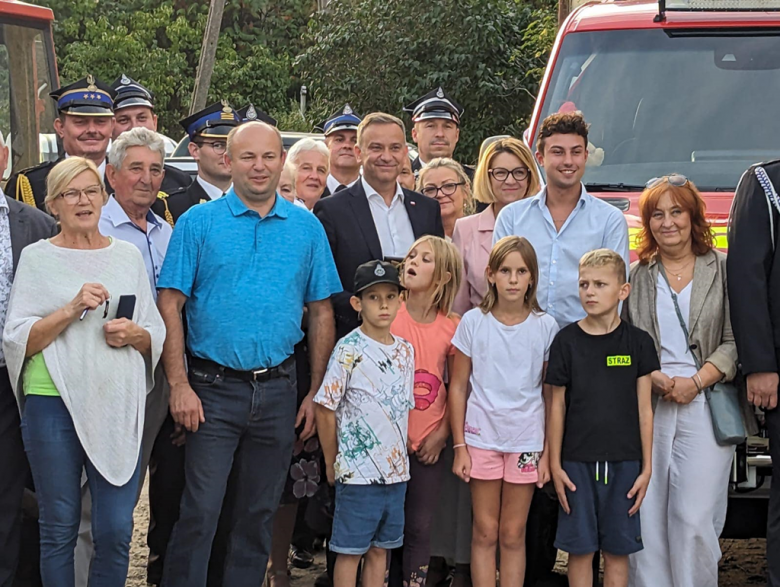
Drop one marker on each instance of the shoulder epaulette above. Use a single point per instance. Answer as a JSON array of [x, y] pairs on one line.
[[24, 191]]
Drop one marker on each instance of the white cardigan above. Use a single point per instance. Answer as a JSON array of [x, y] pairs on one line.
[[103, 388]]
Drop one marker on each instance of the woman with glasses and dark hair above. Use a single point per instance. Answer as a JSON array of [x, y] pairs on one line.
[[444, 180], [506, 173], [680, 272], [82, 339]]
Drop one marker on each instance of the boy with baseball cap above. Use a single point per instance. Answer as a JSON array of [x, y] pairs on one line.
[[362, 413]]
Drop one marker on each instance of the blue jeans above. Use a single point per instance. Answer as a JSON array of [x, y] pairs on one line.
[[57, 461], [249, 428]]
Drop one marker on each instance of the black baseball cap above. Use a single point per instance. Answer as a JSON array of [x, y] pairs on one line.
[[375, 272]]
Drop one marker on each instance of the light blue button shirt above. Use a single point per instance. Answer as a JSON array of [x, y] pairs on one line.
[[593, 224], [153, 243]]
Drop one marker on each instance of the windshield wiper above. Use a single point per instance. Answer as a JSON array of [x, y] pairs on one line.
[[614, 187]]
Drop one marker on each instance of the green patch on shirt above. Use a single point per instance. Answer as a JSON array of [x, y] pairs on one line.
[[619, 361]]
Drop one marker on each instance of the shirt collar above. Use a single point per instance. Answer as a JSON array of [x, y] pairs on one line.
[[281, 207], [541, 198], [399, 192], [487, 220], [117, 216], [211, 190], [3, 201], [334, 183]]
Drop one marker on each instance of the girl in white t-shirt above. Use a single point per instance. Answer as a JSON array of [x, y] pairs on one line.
[[502, 349]]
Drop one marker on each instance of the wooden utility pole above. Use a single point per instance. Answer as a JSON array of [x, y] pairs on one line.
[[208, 54], [564, 8]]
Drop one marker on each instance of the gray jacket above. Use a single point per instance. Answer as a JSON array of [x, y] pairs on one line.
[[28, 225], [709, 322]]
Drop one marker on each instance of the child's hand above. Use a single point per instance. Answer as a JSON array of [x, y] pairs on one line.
[[430, 448], [330, 473], [543, 471], [462, 465], [562, 483], [662, 383], [639, 490]]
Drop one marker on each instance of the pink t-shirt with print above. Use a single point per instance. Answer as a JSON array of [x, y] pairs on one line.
[[432, 345]]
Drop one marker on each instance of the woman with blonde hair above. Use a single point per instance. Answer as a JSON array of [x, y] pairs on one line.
[[444, 180], [81, 372], [506, 173]]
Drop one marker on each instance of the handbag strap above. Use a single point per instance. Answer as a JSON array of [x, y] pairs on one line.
[[662, 271]]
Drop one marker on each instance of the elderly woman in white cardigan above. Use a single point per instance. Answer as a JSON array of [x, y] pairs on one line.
[[81, 375], [685, 507]]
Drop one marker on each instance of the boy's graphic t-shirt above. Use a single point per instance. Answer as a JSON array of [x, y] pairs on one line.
[[370, 387], [432, 345], [600, 375], [505, 409]]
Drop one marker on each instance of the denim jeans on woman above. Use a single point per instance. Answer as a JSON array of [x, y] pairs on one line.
[[57, 461]]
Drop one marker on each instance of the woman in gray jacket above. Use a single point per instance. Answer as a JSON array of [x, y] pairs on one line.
[[685, 508]]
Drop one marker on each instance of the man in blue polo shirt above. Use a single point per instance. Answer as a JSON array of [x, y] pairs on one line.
[[245, 264]]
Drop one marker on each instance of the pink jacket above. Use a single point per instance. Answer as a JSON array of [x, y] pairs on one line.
[[473, 235]]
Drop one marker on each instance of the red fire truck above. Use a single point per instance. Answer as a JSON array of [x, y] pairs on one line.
[[675, 86], [28, 72]]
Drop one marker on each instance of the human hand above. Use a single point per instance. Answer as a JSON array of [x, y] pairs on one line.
[[662, 383], [431, 446], [121, 332], [179, 435], [543, 471], [185, 406], [683, 392], [639, 490], [306, 415], [90, 296], [762, 390], [562, 483], [462, 464]]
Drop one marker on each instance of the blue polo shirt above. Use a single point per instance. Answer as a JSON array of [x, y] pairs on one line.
[[247, 278]]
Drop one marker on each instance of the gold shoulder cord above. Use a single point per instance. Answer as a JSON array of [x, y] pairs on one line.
[[168, 216], [24, 191]]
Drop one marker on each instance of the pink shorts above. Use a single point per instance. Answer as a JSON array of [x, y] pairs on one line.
[[512, 467]]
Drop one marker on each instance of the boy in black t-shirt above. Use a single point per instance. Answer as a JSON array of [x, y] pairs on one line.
[[600, 428]]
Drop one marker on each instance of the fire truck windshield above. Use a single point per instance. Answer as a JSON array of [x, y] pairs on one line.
[[26, 111], [699, 103]]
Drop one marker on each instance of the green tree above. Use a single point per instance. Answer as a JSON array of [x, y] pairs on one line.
[[380, 55]]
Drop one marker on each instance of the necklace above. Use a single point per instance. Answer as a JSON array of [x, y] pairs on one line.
[[679, 273]]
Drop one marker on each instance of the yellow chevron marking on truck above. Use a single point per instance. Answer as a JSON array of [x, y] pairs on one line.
[[721, 240]]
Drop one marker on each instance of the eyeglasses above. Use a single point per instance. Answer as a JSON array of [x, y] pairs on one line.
[[448, 189], [501, 174], [219, 147], [674, 179], [74, 196]]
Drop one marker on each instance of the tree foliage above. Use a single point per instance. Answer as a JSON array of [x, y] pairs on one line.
[[374, 54], [380, 55]]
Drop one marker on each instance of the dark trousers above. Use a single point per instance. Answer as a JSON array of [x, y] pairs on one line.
[[249, 428], [13, 474], [166, 485], [773, 517]]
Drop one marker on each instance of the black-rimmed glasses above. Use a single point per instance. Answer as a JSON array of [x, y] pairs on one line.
[[219, 147], [448, 189], [501, 174]]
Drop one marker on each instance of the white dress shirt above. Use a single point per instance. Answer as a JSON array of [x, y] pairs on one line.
[[392, 223], [213, 191], [101, 168], [333, 183]]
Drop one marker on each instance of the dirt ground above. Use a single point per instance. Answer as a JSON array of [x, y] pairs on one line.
[[742, 565]]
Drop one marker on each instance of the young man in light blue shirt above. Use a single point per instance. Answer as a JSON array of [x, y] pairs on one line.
[[563, 221]]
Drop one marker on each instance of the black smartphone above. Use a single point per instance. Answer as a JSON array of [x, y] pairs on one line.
[[126, 307]]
